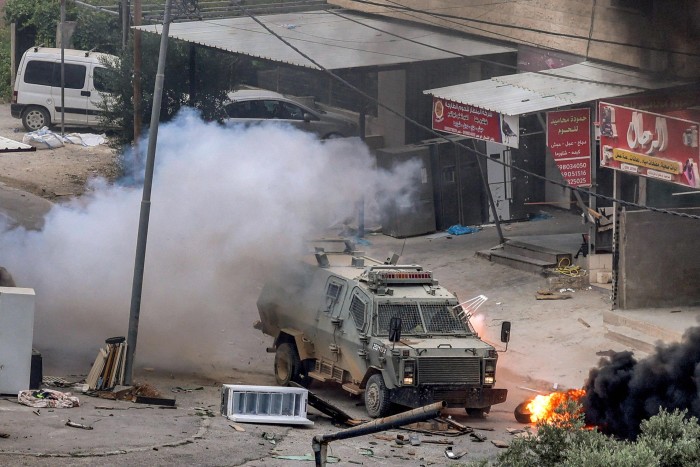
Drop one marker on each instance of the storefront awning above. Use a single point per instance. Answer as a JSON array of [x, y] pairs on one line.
[[335, 42], [525, 93]]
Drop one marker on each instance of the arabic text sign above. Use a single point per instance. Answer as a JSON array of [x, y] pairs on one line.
[[649, 144], [474, 122], [569, 141]]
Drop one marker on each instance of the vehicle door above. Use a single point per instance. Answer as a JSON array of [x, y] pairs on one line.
[[75, 95], [328, 328], [98, 89]]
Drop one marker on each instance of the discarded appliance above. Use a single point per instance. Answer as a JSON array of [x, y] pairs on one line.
[[265, 404], [16, 336]]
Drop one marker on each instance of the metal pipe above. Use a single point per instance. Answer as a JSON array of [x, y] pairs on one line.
[[320, 442], [137, 285]]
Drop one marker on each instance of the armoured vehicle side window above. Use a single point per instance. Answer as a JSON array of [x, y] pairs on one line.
[[358, 309], [333, 294]]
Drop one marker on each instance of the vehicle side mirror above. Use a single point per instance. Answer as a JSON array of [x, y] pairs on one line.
[[505, 331], [395, 329], [307, 117]]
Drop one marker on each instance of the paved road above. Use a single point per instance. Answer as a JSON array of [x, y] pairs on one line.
[[549, 347]]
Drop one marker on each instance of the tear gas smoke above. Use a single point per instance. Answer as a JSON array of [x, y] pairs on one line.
[[622, 391], [229, 205]]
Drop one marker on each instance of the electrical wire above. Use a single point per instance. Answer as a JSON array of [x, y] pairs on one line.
[[476, 152], [404, 8], [551, 74]]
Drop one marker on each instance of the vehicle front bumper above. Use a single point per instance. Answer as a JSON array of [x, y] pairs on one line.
[[453, 395]]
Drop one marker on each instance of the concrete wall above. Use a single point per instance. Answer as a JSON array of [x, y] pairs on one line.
[[659, 263], [665, 25]]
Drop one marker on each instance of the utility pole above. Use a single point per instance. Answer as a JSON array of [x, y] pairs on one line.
[[137, 285], [63, 66], [137, 75]]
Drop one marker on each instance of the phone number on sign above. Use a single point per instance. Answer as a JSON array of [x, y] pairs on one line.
[[576, 165], [577, 181], [574, 173]]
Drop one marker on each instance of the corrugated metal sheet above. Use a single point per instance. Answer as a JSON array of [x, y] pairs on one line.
[[332, 41], [10, 145], [524, 93]]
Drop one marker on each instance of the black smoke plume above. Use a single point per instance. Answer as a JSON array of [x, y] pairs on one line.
[[622, 391]]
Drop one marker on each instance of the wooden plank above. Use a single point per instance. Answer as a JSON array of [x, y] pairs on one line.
[[96, 369]]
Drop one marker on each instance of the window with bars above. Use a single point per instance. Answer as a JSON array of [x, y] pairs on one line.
[[332, 294], [357, 310]]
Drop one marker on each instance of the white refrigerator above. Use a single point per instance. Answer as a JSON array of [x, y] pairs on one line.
[[16, 335]]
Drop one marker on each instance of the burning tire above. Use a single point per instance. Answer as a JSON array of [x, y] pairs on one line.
[[522, 414]]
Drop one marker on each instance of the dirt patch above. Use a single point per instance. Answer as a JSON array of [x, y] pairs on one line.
[[54, 174]]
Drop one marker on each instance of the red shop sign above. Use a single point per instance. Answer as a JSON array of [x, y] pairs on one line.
[[474, 122], [569, 142], [649, 144]]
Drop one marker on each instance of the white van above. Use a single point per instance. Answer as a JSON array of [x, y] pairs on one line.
[[37, 93]]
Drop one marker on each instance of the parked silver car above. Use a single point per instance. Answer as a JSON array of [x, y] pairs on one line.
[[255, 106]]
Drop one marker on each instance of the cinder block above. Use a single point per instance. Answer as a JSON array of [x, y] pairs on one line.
[[604, 277]]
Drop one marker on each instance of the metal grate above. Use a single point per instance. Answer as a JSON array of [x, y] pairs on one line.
[[459, 370], [441, 318], [411, 322], [420, 318], [264, 404]]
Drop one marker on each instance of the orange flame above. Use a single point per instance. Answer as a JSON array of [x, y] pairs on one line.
[[543, 407]]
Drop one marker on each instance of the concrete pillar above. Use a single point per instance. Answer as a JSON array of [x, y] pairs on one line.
[[392, 93]]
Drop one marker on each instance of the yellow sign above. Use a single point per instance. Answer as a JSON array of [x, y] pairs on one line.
[[650, 162]]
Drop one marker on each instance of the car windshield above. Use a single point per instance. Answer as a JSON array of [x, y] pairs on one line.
[[422, 318]]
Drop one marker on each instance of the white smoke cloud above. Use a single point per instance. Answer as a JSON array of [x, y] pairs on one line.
[[228, 206]]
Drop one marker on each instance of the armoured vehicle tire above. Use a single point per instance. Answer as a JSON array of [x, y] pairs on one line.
[[376, 395], [287, 365]]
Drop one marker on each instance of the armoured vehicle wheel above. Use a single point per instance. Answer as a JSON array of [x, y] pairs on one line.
[[287, 365], [377, 397], [35, 118]]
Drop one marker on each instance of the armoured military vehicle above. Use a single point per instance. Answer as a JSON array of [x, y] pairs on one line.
[[386, 331]]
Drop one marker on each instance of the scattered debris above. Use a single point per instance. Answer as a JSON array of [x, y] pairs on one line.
[[156, 401], [36, 412], [4, 435], [552, 296], [181, 389], [580, 320], [499, 443], [605, 353], [415, 439], [367, 452], [478, 437], [438, 441], [47, 398], [204, 412], [269, 436], [450, 454], [338, 416], [56, 382], [236, 427], [109, 366], [78, 425], [514, 431], [307, 457]]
